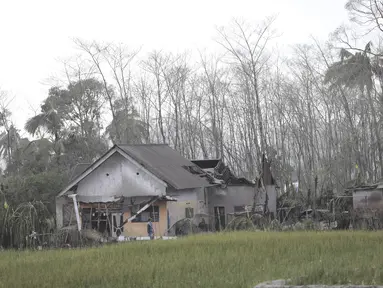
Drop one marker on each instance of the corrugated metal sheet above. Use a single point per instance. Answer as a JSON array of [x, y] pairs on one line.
[[167, 164]]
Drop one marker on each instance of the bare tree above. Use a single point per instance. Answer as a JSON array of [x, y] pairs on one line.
[[367, 13], [246, 46]]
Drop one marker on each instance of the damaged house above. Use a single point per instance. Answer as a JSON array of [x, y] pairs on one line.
[[234, 195], [119, 192]]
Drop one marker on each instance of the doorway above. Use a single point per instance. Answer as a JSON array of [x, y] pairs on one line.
[[220, 218]]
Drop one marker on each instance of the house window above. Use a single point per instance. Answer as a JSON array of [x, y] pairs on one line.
[[151, 212], [189, 212], [239, 209]]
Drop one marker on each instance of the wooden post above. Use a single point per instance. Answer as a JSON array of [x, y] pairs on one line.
[[90, 216], [98, 218], [108, 221]]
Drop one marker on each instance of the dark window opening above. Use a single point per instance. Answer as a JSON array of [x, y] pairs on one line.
[[152, 212], [189, 212]]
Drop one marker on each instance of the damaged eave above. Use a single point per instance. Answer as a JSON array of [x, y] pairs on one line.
[[147, 205], [99, 199], [113, 199], [168, 198]]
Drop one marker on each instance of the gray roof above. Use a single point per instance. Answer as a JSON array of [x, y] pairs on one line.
[[167, 164]]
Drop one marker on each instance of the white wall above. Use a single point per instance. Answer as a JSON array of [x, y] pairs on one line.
[[187, 198], [117, 176]]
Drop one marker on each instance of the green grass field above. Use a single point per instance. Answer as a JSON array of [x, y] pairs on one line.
[[241, 259]]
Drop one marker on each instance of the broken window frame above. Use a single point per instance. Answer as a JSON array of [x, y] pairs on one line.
[[98, 220], [117, 229], [153, 210]]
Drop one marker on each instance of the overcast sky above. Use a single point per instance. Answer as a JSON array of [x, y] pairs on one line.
[[34, 34]]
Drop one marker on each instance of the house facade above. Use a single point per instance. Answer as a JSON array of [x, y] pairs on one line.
[[129, 184]]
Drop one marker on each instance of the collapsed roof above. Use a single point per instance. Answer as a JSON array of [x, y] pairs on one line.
[[218, 173]]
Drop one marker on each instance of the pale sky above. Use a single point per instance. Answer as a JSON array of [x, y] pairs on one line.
[[34, 34]]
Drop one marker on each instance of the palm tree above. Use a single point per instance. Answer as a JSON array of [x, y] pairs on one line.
[[353, 70], [357, 71], [50, 119], [131, 130]]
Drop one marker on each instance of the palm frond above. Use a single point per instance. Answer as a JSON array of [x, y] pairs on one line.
[[344, 54], [34, 123]]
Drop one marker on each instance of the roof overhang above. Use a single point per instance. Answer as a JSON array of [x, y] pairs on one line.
[[362, 188], [98, 199]]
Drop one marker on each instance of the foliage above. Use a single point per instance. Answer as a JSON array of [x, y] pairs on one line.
[[28, 204], [33, 187], [20, 222], [240, 223], [50, 119], [79, 149], [353, 70]]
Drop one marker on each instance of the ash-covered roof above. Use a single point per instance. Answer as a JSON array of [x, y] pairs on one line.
[[168, 165]]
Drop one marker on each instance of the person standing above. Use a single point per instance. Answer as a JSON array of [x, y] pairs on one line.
[[150, 229]]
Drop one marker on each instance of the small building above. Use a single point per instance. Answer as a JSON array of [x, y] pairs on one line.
[[120, 191], [367, 196]]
